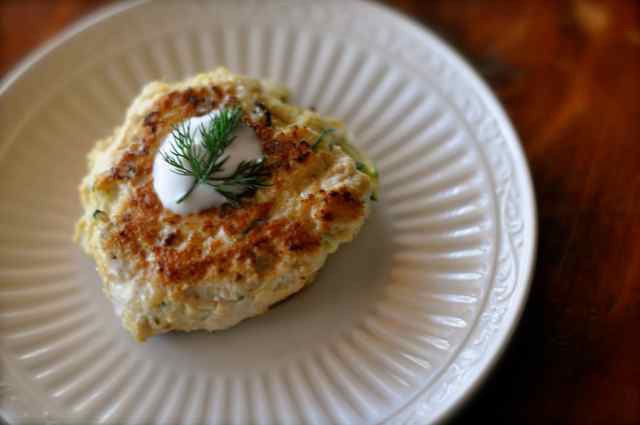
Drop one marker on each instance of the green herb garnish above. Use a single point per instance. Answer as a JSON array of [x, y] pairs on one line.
[[203, 161], [252, 225], [367, 169], [321, 137], [99, 214]]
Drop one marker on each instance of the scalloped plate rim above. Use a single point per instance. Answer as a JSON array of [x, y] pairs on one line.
[[515, 144], [509, 327]]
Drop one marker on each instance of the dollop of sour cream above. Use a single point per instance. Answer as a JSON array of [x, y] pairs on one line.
[[171, 186]]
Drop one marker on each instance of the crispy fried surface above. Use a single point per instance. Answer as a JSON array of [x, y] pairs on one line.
[[317, 199]]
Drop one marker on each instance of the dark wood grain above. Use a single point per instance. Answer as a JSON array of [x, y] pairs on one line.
[[568, 73], [25, 24]]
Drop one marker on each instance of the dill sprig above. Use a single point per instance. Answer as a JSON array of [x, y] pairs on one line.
[[203, 161]]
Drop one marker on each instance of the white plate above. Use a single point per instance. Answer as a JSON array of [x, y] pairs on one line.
[[401, 324]]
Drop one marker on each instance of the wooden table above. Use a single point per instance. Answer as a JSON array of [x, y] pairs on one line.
[[568, 73]]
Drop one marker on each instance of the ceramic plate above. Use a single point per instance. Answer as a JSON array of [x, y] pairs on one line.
[[400, 326]]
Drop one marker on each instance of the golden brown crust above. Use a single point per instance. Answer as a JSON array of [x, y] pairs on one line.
[[212, 269], [138, 229]]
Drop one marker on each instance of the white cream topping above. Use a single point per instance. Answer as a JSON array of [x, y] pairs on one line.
[[170, 186]]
